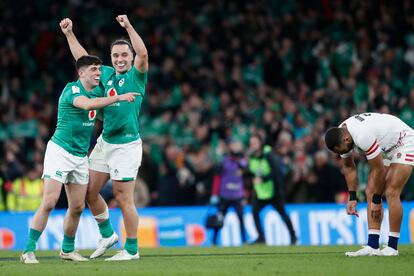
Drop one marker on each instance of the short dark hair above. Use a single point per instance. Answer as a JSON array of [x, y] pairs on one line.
[[333, 137], [122, 42], [87, 61]]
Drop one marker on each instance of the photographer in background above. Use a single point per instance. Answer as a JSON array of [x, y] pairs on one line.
[[228, 186]]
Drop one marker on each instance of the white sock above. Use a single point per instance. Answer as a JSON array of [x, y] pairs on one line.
[[374, 232], [394, 234]]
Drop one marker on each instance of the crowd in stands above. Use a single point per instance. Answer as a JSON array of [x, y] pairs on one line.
[[219, 71]]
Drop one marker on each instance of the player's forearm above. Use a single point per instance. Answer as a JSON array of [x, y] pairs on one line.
[[75, 47], [98, 103], [350, 174], [137, 42]]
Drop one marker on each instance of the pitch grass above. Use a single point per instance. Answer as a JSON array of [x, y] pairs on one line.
[[246, 260]]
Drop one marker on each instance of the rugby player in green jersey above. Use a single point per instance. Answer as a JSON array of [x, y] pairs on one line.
[[65, 161], [118, 152]]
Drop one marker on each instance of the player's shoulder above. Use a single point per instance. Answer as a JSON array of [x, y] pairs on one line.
[[135, 72], [107, 71], [72, 88]]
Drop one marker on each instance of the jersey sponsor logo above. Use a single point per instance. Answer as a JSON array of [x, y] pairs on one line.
[[109, 82], [59, 173], [92, 115], [121, 82], [112, 92], [75, 90]]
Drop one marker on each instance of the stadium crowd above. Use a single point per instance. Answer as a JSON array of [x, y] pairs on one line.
[[219, 71]]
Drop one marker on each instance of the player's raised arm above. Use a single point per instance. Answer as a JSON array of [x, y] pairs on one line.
[[100, 102], [76, 48], [141, 59]]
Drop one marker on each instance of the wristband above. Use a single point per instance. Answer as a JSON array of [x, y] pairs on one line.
[[352, 195], [376, 198]]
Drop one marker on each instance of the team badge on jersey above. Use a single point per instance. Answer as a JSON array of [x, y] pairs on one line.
[[121, 82], [109, 82], [112, 92], [399, 155], [75, 89], [92, 114]]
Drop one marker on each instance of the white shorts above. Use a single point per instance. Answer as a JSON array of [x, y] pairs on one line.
[[121, 161], [403, 152], [64, 167]]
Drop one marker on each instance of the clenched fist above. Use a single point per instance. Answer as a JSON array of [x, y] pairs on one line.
[[66, 26], [123, 21]]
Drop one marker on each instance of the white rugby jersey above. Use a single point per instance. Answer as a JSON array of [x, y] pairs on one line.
[[375, 133]]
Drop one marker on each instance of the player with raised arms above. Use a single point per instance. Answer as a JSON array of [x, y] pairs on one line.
[[118, 152], [66, 161]]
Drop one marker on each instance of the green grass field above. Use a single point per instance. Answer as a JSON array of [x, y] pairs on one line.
[[246, 260]]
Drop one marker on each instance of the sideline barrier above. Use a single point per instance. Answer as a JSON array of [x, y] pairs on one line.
[[315, 224]]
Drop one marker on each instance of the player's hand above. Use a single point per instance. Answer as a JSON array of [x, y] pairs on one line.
[[351, 208], [66, 26], [257, 180], [214, 200], [123, 21], [129, 97]]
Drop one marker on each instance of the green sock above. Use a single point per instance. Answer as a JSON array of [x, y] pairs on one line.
[[131, 245], [106, 229], [68, 244], [32, 241]]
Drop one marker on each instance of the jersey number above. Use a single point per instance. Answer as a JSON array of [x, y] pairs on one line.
[[360, 118]]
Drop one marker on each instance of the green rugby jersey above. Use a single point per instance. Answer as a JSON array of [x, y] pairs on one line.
[[74, 125], [120, 120]]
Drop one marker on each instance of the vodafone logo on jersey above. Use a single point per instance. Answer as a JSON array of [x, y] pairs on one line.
[[112, 92], [92, 115]]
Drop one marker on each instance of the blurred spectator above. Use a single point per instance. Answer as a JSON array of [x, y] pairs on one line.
[[274, 66], [228, 186], [328, 182], [141, 194], [267, 173], [176, 186], [26, 193]]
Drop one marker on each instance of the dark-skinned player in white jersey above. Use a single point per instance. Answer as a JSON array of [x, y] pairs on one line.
[[388, 144]]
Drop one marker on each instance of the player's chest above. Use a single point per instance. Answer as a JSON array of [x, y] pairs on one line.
[[118, 86]]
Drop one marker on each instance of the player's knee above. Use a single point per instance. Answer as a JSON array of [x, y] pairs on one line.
[[48, 204], [91, 197], [77, 208], [369, 192], [124, 199], [391, 194]]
